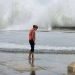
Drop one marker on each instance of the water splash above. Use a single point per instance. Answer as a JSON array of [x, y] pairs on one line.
[[22, 14]]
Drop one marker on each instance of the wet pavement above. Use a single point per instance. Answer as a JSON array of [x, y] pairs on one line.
[[44, 64]]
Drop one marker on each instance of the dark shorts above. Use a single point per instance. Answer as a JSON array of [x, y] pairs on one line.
[[31, 42]]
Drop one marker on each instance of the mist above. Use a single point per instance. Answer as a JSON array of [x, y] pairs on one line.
[[22, 14]]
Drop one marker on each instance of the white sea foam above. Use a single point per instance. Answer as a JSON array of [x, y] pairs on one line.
[[37, 47]]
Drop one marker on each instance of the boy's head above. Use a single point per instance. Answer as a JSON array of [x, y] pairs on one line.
[[35, 27]]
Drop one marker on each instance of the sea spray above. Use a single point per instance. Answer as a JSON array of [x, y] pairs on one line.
[[22, 14]]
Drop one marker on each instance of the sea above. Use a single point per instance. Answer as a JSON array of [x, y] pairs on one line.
[[55, 39]]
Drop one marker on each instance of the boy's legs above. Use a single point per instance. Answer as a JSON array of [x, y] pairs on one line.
[[31, 53], [32, 58]]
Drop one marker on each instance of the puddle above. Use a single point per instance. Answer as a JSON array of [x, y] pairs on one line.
[[23, 67]]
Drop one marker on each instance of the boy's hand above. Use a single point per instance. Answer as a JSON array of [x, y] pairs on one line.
[[34, 41]]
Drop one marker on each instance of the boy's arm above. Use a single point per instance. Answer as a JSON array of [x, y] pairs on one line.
[[33, 36]]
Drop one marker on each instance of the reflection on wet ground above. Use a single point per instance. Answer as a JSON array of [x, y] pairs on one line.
[[44, 64]]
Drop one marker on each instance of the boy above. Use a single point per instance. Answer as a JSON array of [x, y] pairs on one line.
[[32, 42]]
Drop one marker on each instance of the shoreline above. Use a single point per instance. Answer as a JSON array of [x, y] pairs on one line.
[[17, 50]]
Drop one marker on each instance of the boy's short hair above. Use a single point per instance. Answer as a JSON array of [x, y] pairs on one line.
[[35, 26]]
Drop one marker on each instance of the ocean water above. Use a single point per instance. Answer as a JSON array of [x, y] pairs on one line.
[[53, 39]]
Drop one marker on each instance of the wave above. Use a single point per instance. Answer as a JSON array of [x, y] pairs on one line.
[[22, 48]]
